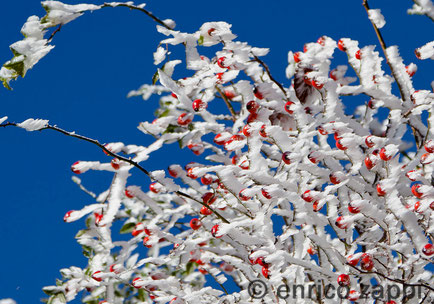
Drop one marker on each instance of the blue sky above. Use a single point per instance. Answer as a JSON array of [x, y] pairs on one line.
[[82, 86]]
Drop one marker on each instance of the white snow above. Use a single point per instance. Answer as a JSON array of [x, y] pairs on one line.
[[33, 124]]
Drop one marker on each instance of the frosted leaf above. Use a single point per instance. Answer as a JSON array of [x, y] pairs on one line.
[[170, 23], [7, 301], [376, 17], [159, 55], [60, 13], [33, 124]]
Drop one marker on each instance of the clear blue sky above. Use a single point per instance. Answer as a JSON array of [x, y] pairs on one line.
[[82, 85]]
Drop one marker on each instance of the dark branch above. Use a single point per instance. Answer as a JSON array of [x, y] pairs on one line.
[[120, 157]]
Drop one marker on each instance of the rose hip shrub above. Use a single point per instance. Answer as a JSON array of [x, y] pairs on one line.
[[283, 186]]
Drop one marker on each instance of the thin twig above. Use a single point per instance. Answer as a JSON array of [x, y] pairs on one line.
[[134, 7], [267, 69], [384, 47], [54, 33], [120, 157], [227, 102]]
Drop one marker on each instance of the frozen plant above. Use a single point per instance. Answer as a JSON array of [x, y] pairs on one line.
[[355, 201]]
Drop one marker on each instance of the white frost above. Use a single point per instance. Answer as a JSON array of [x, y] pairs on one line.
[[376, 17], [33, 124], [3, 119]]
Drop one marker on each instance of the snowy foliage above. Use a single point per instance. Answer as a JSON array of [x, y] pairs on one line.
[[285, 186]]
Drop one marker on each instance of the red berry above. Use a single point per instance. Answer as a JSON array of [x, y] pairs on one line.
[[67, 215], [410, 71], [257, 93], [353, 261], [246, 131], [210, 31], [311, 251], [384, 155], [312, 158], [297, 57], [332, 75], [261, 261], [74, 169], [209, 198], [195, 224], [220, 139], [96, 276], [431, 205], [415, 190], [185, 119], [428, 249], [155, 187], [206, 179], [340, 146], [243, 197], [368, 141], [235, 159], [315, 206], [98, 218], [416, 206], [367, 264], [371, 104], [252, 106], [288, 105], [322, 131], [426, 159], [341, 45], [369, 162], [136, 283], [321, 41], [190, 173], [344, 280], [429, 146], [220, 77], [358, 55], [199, 105], [220, 62], [174, 95], [139, 228], [214, 231], [115, 163], [173, 172], [262, 131], [128, 193], [353, 209], [266, 194], [145, 242], [353, 295], [205, 211], [286, 157], [380, 190], [307, 80], [265, 272], [317, 85], [391, 302], [229, 94], [339, 223], [245, 164], [334, 179], [307, 196]]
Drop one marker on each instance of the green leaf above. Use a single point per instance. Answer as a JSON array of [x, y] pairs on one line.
[[155, 78], [141, 295], [127, 228], [190, 267], [80, 233], [164, 113], [190, 127], [200, 40], [59, 282], [170, 129], [16, 65]]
